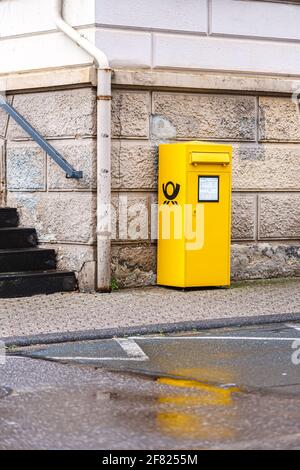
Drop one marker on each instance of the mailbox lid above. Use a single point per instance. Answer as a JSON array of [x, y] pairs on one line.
[[219, 158], [206, 156], [200, 154]]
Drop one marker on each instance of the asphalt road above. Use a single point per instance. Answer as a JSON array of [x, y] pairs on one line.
[[230, 388]]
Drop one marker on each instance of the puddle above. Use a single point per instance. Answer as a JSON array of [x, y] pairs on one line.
[[253, 358], [132, 409]]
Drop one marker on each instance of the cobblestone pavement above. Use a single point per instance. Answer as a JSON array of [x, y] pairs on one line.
[[145, 306]]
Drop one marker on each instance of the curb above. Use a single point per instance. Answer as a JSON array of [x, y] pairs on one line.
[[88, 335]]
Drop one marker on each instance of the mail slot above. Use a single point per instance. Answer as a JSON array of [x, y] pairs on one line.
[[194, 217], [213, 158]]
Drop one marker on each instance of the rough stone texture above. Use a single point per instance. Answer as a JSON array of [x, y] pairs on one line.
[[3, 122], [208, 116], [130, 114], [4, 117], [134, 165], [77, 258], [264, 260], [266, 167], [82, 155], [243, 217], [137, 216], [114, 215], [25, 166], [153, 200], [65, 217], [134, 265], [133, 216], [87, 277], [56, 113], [279, 119], [279, 216], [116, 147], [71, 257]]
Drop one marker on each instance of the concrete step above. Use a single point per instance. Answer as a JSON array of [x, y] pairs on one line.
[[8, 217], [26, 284], [17, 237], [27, 259]]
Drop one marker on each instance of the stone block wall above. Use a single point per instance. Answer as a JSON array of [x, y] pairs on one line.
[[62, 210], [265, 134]]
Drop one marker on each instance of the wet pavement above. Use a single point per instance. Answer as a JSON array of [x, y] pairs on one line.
[[236, 388]]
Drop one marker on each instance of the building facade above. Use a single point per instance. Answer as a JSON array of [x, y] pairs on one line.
[[214, 70]]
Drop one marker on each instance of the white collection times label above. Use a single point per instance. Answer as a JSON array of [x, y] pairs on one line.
[[208, 188]]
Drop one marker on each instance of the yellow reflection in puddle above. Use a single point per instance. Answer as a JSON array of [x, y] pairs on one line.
[[187, 420], [206, 374], [211, 395], [183, 426]]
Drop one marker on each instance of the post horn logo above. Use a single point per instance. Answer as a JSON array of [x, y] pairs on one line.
[[167, 193]]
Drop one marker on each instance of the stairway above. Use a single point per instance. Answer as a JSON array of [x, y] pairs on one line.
[[25, 269]]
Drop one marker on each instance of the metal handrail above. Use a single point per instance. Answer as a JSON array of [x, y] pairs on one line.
[[54, 154]]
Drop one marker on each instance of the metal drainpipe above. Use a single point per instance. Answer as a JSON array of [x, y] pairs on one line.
[[103, 148]]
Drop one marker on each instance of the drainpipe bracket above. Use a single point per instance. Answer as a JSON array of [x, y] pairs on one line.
[[104, 97]]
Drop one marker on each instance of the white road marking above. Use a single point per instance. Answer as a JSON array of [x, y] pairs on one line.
[[237, 338], [77, 358], [92, 359], [80, 358], [132, 349], [295, 327]]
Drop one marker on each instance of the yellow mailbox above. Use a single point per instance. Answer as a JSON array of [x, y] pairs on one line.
[[194, 214]]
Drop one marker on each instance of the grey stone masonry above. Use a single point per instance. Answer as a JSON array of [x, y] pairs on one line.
[[222, 117], [130, 114], [266, 167], [279, 120], [279, 216], [62, 210], [264, 132], [26, 164], [243, 216], [62, 113]]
